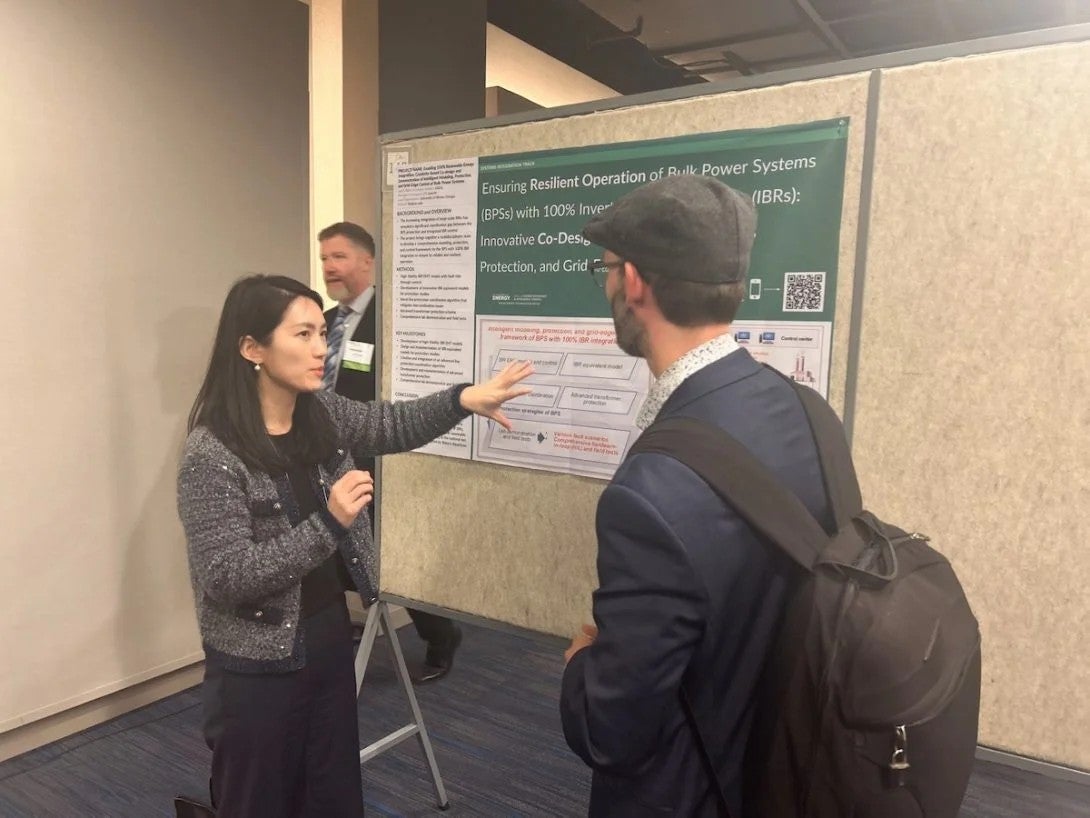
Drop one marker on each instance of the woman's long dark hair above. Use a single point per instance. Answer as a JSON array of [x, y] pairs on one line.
[[228, 403]]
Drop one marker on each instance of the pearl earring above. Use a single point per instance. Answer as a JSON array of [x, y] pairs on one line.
[[257, 367]]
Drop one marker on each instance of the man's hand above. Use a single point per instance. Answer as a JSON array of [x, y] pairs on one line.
[[581, 640]]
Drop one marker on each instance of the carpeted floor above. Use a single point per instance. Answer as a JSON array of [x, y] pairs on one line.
[[495, 729]]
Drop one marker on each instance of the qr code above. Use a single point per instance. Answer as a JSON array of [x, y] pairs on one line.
[[803, 292]]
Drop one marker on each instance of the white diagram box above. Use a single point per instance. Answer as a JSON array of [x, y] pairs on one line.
[[591, 365], [547, 441], [545, 363], [589, 399], [798, 349], [543, 395]]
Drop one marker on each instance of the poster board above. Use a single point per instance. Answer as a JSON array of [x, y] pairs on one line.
[[517, 545], [971, 417], [969, 403]]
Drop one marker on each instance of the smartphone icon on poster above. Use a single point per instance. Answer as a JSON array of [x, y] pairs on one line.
[[754, 288]]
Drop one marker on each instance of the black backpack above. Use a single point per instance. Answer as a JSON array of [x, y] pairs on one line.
[[869, 703]]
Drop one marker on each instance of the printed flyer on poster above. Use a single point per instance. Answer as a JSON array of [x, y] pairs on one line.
[[489, 266]]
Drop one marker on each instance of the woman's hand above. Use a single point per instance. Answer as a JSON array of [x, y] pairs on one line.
[[349, 495], [485, 399]]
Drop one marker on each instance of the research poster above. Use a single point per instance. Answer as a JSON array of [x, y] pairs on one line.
[[489, 266]]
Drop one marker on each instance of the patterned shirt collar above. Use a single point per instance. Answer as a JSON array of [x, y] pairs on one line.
[[688, 364]]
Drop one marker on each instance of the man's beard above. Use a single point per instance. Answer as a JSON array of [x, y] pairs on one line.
[[631, 335], [337, 291]]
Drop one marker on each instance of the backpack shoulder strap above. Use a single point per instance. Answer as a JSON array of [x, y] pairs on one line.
[[837, 468], [741, 481]]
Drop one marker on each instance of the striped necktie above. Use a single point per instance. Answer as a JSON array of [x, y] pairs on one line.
[[333, 341]]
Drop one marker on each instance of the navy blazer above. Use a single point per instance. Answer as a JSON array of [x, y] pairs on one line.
[[688, 597], [353, 383]]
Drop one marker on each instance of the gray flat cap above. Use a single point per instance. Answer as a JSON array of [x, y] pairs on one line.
[[689, 227]]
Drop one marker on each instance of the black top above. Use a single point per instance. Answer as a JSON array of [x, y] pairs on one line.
[[327, 583]]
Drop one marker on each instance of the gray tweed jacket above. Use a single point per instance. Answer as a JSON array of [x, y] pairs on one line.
[[248, 549]]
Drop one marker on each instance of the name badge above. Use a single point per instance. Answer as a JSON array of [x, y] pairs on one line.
[[358, 356]]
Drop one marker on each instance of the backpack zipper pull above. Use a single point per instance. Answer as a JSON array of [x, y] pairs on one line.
[[898, 763]]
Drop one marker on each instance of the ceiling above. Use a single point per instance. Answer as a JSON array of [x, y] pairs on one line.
[[646, 45]]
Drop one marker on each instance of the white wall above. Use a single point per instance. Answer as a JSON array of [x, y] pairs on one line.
[[343, 118], [152, 151], [513, 64]]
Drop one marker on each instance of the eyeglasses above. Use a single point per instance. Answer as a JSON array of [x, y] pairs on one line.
[[599, 270]]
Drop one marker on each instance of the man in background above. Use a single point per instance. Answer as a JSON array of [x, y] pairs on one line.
[[347, 254], [689, 598]]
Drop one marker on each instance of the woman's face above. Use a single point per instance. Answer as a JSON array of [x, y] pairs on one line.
[[295, 355]]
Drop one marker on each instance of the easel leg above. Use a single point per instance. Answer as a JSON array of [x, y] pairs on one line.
[[378, 615], [410, 694], [367, 644]]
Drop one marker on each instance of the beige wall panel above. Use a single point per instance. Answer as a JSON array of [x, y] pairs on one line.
[[153, 152], [972, 417], [517, 545]]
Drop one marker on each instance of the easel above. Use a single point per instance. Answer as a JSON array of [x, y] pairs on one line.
[[378, 615]]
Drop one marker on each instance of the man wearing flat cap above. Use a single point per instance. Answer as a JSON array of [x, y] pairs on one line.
[[689, 599]]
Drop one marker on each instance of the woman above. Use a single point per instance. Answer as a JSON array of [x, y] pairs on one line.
[[274, 514]]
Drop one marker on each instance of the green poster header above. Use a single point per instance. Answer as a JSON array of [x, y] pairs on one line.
[[532, 260]]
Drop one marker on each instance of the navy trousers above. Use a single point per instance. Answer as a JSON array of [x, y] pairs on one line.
[[286, 745]]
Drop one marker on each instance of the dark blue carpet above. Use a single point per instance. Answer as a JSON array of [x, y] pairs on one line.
[[493, 723], [495, 729]]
